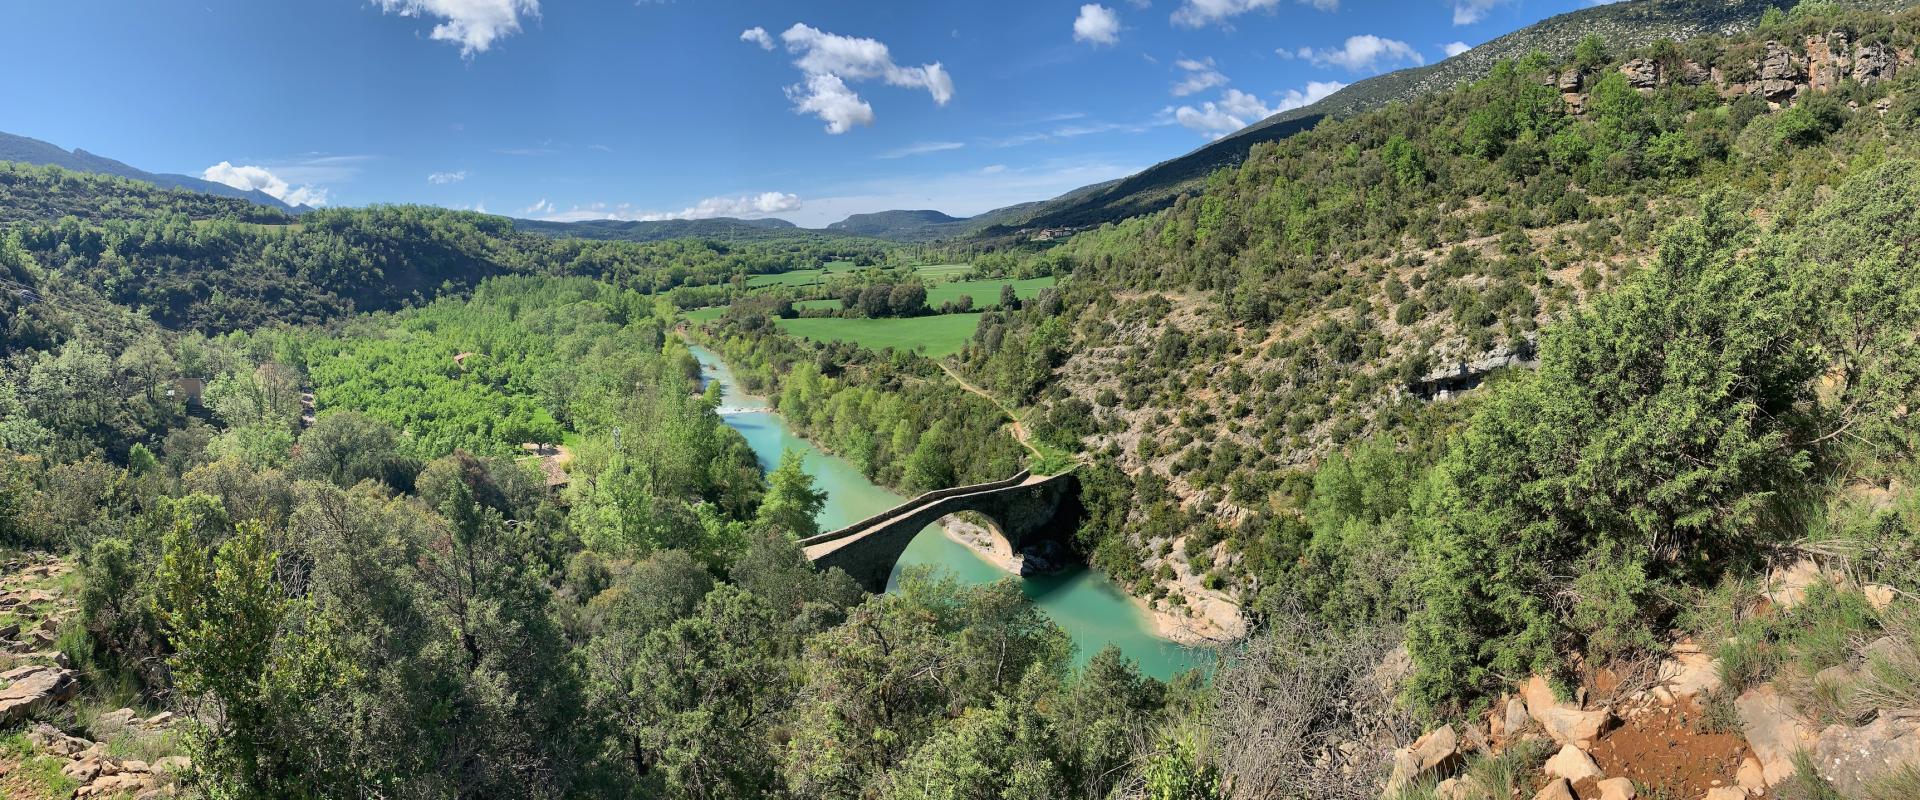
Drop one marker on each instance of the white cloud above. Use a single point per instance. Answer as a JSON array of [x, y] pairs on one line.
[[829, 61], [1201, 76], [1097, 25], [1365, 52], [442, 178], [474, 25], [921, 149], [249, 178], [757, 35], [1237, 109], [1199, 13], [1456, 48], [827, 97], [1467, 12], [746, 206]]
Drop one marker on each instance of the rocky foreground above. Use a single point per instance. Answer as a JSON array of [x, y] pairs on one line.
[[48, 747], [1677, 731]]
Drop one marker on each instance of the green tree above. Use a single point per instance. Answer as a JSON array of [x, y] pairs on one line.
[[791, 504]]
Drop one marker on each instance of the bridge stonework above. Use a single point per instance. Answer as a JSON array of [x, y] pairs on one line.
[[1025, 509]]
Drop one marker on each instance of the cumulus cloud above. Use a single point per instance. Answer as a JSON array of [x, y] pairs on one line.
[[442, 178], [1097, 25], [1362, 53], [1201, 76], [251, 178], [921, 149], [474, 25], [757, 35], [1467, 12], [1456, 48], [827, 97], [746, 206], [1237, 109], [829, 61], [1200, 13]]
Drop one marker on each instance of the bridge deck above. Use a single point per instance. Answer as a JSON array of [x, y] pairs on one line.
[[819, 546]]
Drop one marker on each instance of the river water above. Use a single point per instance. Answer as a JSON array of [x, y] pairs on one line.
[[1093, 610]]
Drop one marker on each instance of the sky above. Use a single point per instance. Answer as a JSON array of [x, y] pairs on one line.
[[807, 110]]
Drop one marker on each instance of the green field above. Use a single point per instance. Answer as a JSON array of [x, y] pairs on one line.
[[984, 292], [941, 335], [810, 277], [815, 305], [702, 316], [942, 272]]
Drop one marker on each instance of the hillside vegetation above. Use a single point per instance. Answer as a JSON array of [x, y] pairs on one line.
[[1620, 25]]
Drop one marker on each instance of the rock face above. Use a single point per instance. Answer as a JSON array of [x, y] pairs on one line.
[[1565, 722], [1828, 61], [1851, 758], [1779, 73], [30, 689], [1642, 73], [1429, 756], [1774, 731], [1873, 63]]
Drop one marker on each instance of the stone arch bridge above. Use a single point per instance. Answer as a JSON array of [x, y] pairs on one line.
[[1025, 509]]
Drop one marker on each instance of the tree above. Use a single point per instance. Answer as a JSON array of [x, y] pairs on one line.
[[907, 300], [220, 614], [694, 704], [1009, 299], [791, 504], [1662, 422], [345, 448]]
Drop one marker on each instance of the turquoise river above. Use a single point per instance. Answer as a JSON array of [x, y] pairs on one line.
[[1092, 609]]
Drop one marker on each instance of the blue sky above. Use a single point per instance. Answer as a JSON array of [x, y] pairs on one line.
[[800, 109]]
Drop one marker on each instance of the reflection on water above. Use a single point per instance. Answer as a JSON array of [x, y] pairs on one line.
[[1092, 609]]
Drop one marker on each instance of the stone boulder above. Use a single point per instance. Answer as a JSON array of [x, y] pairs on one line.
[[1557, 789], [1573, 764], [1430, 756], [1565, 722], [1879, 595], [1851, 758], [1774, 730], [1616, 789], [1686, 672], [1787, 586], [1568, 81], [29, 689], [1726, 793]]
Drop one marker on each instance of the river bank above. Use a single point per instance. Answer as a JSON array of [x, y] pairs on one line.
[[1206, 619]]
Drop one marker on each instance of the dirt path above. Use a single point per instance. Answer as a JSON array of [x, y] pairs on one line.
[[1019, 430]]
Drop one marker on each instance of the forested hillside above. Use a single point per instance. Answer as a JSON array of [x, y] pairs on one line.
[[215, 265], [1620, 25]]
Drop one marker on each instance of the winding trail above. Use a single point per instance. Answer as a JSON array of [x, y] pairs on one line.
[[1019, 430]]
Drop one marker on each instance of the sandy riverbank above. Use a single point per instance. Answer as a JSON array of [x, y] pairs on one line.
[[1214, 619]]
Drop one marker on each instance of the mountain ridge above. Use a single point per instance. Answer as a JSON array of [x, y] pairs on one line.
[[28, 150]]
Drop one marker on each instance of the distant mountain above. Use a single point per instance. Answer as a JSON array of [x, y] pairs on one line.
[[28, 150], [922, 225], [653, 231], [1623, 25]]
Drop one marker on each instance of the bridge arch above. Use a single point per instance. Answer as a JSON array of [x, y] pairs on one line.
[[1024, 509]]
